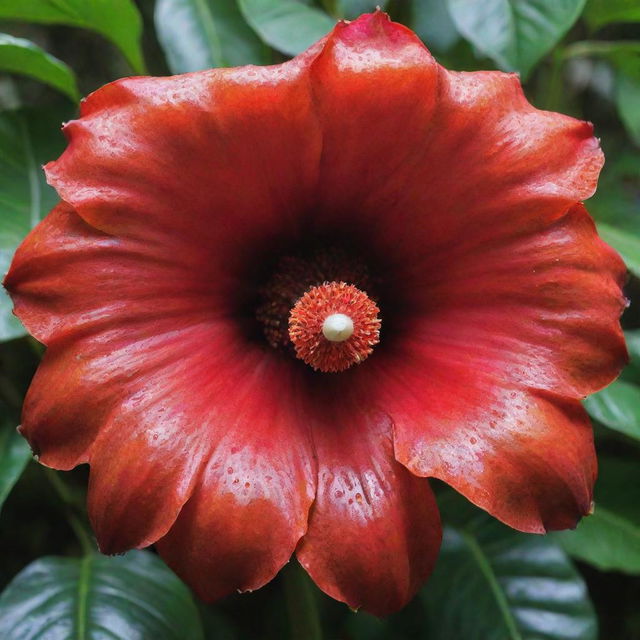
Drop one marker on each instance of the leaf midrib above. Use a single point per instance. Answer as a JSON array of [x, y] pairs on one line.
[[213, 39], [487, 571], [84, 579]]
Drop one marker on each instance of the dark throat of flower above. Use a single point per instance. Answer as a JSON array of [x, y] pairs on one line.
[[318, 307]]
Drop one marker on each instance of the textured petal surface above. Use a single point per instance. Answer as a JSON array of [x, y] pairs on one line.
[[244, 520], [185, 409], [142, 378], [106, 308], [374, 531], [511, 304], [486, 388], [540, 307], [188, 165], [426, 160], [68, 280], [528, 459]]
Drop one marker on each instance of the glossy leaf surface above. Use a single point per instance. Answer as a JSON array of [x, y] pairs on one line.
[[433, 23], [133, 597], [200, 34], [617, 407], [117, 20], [610, 538], [493, 583], [286, 25], [18, 55], [514, 33], [14, 455], [628, 101]]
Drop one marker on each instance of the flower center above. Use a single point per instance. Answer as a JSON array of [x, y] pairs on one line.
[[315, 306], [334, 326]]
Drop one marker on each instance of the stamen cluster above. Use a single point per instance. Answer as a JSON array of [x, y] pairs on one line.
[[296, 274], [308, 317]]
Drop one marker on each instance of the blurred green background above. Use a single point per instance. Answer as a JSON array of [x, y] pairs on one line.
[[491, 583]]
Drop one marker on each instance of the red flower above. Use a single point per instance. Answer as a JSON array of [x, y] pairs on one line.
[[197, 210]]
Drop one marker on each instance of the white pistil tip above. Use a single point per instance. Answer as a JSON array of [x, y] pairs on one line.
[[337, 327]]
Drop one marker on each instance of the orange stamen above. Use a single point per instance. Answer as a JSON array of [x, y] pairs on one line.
[[308, 330]]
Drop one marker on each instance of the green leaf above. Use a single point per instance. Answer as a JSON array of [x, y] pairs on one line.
[[117, 20], [433, 23], [601, 12], [200, 34], [617, 407], [633, 345], [286, 25], [631, 372], [493, 583], [628, 102], [610, 538], [133, 597], [626, 243], [615, 201], [18, 55], [28, 139], [14, 455], [514, 33]]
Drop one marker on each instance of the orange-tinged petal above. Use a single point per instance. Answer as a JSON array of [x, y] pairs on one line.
[[210, 166], [485, 390], [374, 532], [418, 160], [251, 506]]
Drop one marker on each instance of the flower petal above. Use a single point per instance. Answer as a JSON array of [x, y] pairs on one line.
[[108, 310], [188, 164], [68, 279], [527, 458], [486, 384], [422, 159], [168, 407], [541, 308], [136, 355], [374, 531], [251, 506]]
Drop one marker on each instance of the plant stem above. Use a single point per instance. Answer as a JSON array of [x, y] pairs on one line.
[[553, 97], [304, 620], [587, 48], [79, 528]]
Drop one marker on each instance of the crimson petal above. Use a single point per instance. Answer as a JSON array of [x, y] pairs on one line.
[[374, 531], [183, 165], [485, 389], [250, 509], [425, 162], [510, 301], [98, 312], [136, 354]]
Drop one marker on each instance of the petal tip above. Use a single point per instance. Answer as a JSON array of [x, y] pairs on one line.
[[376, 28]]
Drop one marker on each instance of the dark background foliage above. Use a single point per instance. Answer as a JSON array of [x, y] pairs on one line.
[[491, 583]]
